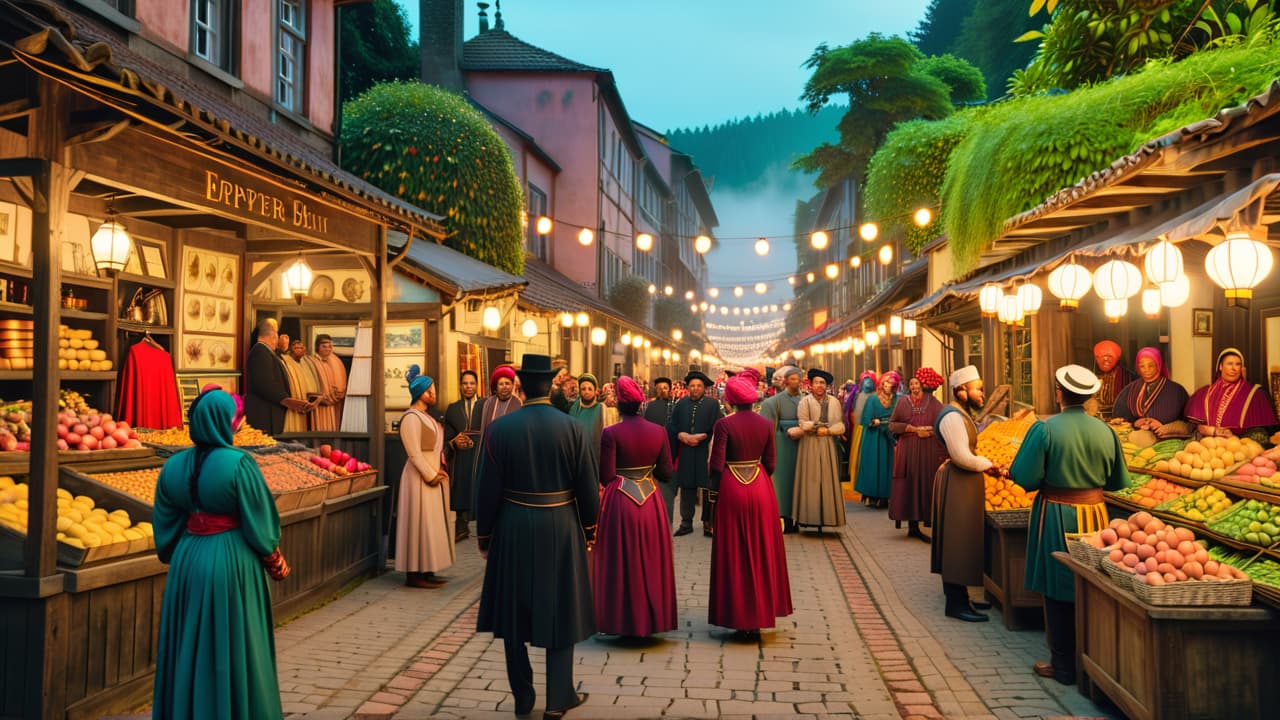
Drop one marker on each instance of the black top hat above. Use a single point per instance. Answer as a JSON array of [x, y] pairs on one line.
[[697, 375], [537, 366], [666, 380]]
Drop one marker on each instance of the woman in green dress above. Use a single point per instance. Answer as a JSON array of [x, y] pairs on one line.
[[875, 451], [217, 527]]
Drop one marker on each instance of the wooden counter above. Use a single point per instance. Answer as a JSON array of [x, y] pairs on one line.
[[1004, 575], [1173, 663]]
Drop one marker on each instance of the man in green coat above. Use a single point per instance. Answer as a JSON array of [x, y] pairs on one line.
[[782, 410], [1070, 458]]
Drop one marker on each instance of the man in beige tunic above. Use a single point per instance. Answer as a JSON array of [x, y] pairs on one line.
[[332, 378], [818, 501], [302, 386], [958, 511]]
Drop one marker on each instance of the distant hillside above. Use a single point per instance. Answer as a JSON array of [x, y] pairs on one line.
[[740, 153]]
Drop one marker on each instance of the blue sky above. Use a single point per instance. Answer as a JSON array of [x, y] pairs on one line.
[[690, 62]]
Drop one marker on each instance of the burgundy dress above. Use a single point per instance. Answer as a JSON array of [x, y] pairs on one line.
[[915, 461], [634, 578], [750, 588]]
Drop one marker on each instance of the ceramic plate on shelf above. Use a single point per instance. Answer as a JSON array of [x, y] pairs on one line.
[[352, 289], [322, 288]]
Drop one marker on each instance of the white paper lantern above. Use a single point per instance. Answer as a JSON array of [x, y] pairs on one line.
[[909, 328], [1030, 298], [1237, 265], [1151, 303], [529, 328], [598, 336], [582, 319], [895, 324], [491, 319], [1069, 283], [1115, 309], [1176, 293], [1010, 310], [1117, 280], [1163, 262], [873, 338], [989, 300]]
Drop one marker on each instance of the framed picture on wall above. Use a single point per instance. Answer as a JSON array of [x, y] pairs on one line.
[[344, 338], [1202, 322], [8, 232], [404, 338]]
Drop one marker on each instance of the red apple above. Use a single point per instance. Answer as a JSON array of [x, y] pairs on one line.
[[90, 442], [23, 446], [338, 457], [8, 443], [97, 432], [108, 443], [365, 466], [352, 465], [62, 430], [109, 426], [62, 444], [121, 436], [133, 443], [122, 424], [80, 429], [73, 439]]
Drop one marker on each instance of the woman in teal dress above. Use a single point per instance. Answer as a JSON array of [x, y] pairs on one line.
[[217, 527], [875, 453]]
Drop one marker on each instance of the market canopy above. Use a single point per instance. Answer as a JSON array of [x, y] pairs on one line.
[[448, 269]]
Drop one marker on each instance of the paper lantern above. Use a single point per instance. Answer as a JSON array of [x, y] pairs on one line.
[[1069, 283], [598, 336], [626, 338], [1151, 302], [1237, 265], [582, 319], [989, 300], [1010, 311], [529, 328], [566, 320], [762, 247], [1117, 280], [677, 334], [701, 244], [1176, 293], [909, 328], [895, 324], [491, 319], [1030, 298], [882, 331], [637, 342], [1163, 262], [873, 338], [1115, 309], [819, 240]]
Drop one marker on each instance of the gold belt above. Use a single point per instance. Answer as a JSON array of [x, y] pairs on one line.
[[555, 499], [746, 471]]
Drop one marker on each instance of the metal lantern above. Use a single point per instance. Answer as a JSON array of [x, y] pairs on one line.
[[1069, 283], [1237, 265], [989, 299], [297, 280], [1030, 297], [111, 245], [1176, 293], [1163, 262], [1115, 309]]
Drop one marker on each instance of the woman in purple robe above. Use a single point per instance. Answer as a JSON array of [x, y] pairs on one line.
[[634, 581], [1153, 401], [917, 454], [1230, 405], [750, 588]]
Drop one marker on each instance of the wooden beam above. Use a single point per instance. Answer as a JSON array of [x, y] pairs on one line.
[[16, 109], [1201, 155], [378, 397]]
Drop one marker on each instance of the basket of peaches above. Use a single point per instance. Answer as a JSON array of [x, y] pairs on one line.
[[1168, 565]]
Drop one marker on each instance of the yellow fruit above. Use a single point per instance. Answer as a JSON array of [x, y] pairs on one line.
[[6, 482], [73, 513], [74, 542], [84, 500], [145, 528], [64, 522], [76, 530], [134, 534], [91, 540], [111, 528], [64, 495]]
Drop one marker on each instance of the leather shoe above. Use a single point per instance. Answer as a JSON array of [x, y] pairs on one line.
[[1047, 670], [557, 714], [683, 530], [967, 615], [421, 580], [915, 533], [524, 710], [980, 605], [1043, 669]]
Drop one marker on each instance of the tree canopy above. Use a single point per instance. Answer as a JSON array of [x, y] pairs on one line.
[[376, 44], [431, 148]]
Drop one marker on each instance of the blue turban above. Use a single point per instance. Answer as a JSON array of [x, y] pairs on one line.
[[418, 383]]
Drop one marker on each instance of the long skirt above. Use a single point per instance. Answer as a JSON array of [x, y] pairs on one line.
[[424, 525], [1047, 534], [855, 446], [818, 501], [634, 582], [915, 464], [750, 588], [958, 526]]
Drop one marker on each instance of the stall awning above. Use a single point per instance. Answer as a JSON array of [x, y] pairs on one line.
[[451, 271], [901, 287]]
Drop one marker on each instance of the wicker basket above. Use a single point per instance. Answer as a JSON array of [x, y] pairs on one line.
[[1085, 553], [1122, 577], [1019, 518], [1196, 592]]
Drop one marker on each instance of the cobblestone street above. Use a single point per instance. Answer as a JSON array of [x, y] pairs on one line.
[[868, 640]]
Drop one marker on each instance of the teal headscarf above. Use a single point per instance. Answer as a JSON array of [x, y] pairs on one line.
[[211, 415], [418, 383]]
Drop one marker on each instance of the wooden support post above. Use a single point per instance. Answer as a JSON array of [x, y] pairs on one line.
[[378, 395]]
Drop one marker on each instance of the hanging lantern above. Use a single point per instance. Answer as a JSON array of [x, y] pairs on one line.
[[819, 240], [873, 338], [1237, 265], [886, 254], [703, 306], [637, 342], [693, 308], [895, 324], [859, 346], [791, 280], [1151, 303], [111, 245], [1010, 311], [582, 319], [694, 354], [855, 261], [529, 328], [817, 349], [598, 336], [655, 353], [648, 342], [1115, 309], [653, 289], [882, 331], [1069, 283], [543, 226], [668, 291], [1163, 262], [713, 293], [586, 237], [1176, 293], [869, 231], [701, 244], [809, 276], [644, 242], [762, 247], [688, 294], [922, 217], [626, 338], [1117, 280], [738, 291], [989, 300], [832, 271], [675, 357], [566, 320], [491, 319], [909, 328], [1030, 298], [677, 334], [297, 279], [666, 354], [761, 288]]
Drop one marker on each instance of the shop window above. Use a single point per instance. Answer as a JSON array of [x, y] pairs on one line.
[[535, 243], [212, 34], [1017, 365], [973, 350], [291, 48]]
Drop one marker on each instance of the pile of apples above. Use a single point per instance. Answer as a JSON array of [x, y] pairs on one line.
[[94, 430], [338, 462], [1158, 554]]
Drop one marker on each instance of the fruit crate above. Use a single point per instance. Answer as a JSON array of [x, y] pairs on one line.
[[1016, 518], [1223, 524], [363, 481], [1084, 552], [1201, 593], [11, 555]]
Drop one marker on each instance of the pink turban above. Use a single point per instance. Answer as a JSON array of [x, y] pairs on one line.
[[740, 391], [1154, 354], [868, 374], [502, 371], [892, 376], [751, 374], [629, 391]]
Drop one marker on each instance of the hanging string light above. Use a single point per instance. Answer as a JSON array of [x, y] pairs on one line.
[[644, 242], [819, 240], [832, 271], [869, 231], [761, 288], [702, 244], [762, 247], [543, 225], [586, 237], [922, 216], [738, 291], [713, 293], [886, 254]]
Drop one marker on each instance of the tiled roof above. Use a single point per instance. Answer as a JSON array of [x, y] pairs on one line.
[[550, 290], [91, 51], [500, 50], [445, 267]]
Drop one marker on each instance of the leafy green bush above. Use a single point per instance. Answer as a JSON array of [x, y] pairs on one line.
[[431, 148], [631, 298]]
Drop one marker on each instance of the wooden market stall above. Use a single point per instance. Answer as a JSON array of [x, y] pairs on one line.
[[215, 201]]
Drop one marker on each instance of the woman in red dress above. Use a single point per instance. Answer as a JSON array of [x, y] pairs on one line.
[[750, 588], [917, 455], [634, 580]]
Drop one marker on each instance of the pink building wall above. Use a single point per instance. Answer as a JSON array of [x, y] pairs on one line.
[[257, 46], [166, 23], [321, 39]]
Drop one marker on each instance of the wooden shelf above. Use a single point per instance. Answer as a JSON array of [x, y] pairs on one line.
[[145, 280], [86, 281], [9, 268], [67, 375], [16, 308], [83, 315], [137, 327]]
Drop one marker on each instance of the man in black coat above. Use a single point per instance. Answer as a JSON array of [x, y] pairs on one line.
[[658, 412], [690, 423], [266, 392], [462, 436], [535, 517]]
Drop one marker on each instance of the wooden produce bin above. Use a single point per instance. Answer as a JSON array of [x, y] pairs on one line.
[[1004, 570], [1173, 663]]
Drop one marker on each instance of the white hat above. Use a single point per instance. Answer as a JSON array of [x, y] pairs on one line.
[[1077, 379], [966, 374]]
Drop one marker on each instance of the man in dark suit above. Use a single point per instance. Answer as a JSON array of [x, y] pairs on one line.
[[266, 394], [658, 412], [462, 435], [691, 422], [535, 517]]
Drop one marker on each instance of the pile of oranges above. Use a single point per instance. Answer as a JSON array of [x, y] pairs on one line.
[[999, 441], [1005, 494]]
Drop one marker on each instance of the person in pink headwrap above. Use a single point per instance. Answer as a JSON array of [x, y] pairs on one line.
[[503, 401], [875, 457], [917, 453], [1112, 373], [1153, 401], [634, 577], [750, 588]]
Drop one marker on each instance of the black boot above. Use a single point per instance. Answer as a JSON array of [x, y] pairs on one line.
[[958, 606], [1060, 632], [913, 530]]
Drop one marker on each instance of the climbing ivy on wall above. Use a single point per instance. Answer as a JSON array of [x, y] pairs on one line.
[[431, 148]]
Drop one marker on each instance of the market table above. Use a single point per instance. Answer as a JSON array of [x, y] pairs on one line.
[[1004, 570], [1170, 663]]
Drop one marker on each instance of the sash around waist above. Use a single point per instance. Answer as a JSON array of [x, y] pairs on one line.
[[202, 523], [1072, 496], [555, 499]]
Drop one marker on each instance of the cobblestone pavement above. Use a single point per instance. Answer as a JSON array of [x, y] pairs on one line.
[[868, 640]]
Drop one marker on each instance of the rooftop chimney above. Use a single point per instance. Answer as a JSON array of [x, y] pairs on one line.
[[484, 18], [440, 42], [497, 15]]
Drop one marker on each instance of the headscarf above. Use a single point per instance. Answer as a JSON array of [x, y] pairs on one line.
[[929, 379], [418, 383], [502, 371], [1154, 354], [866, 385], [894, 377], [211, 415], [751, 374], [629, 391], [236, 420], [739, 390], [1217, 366]]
